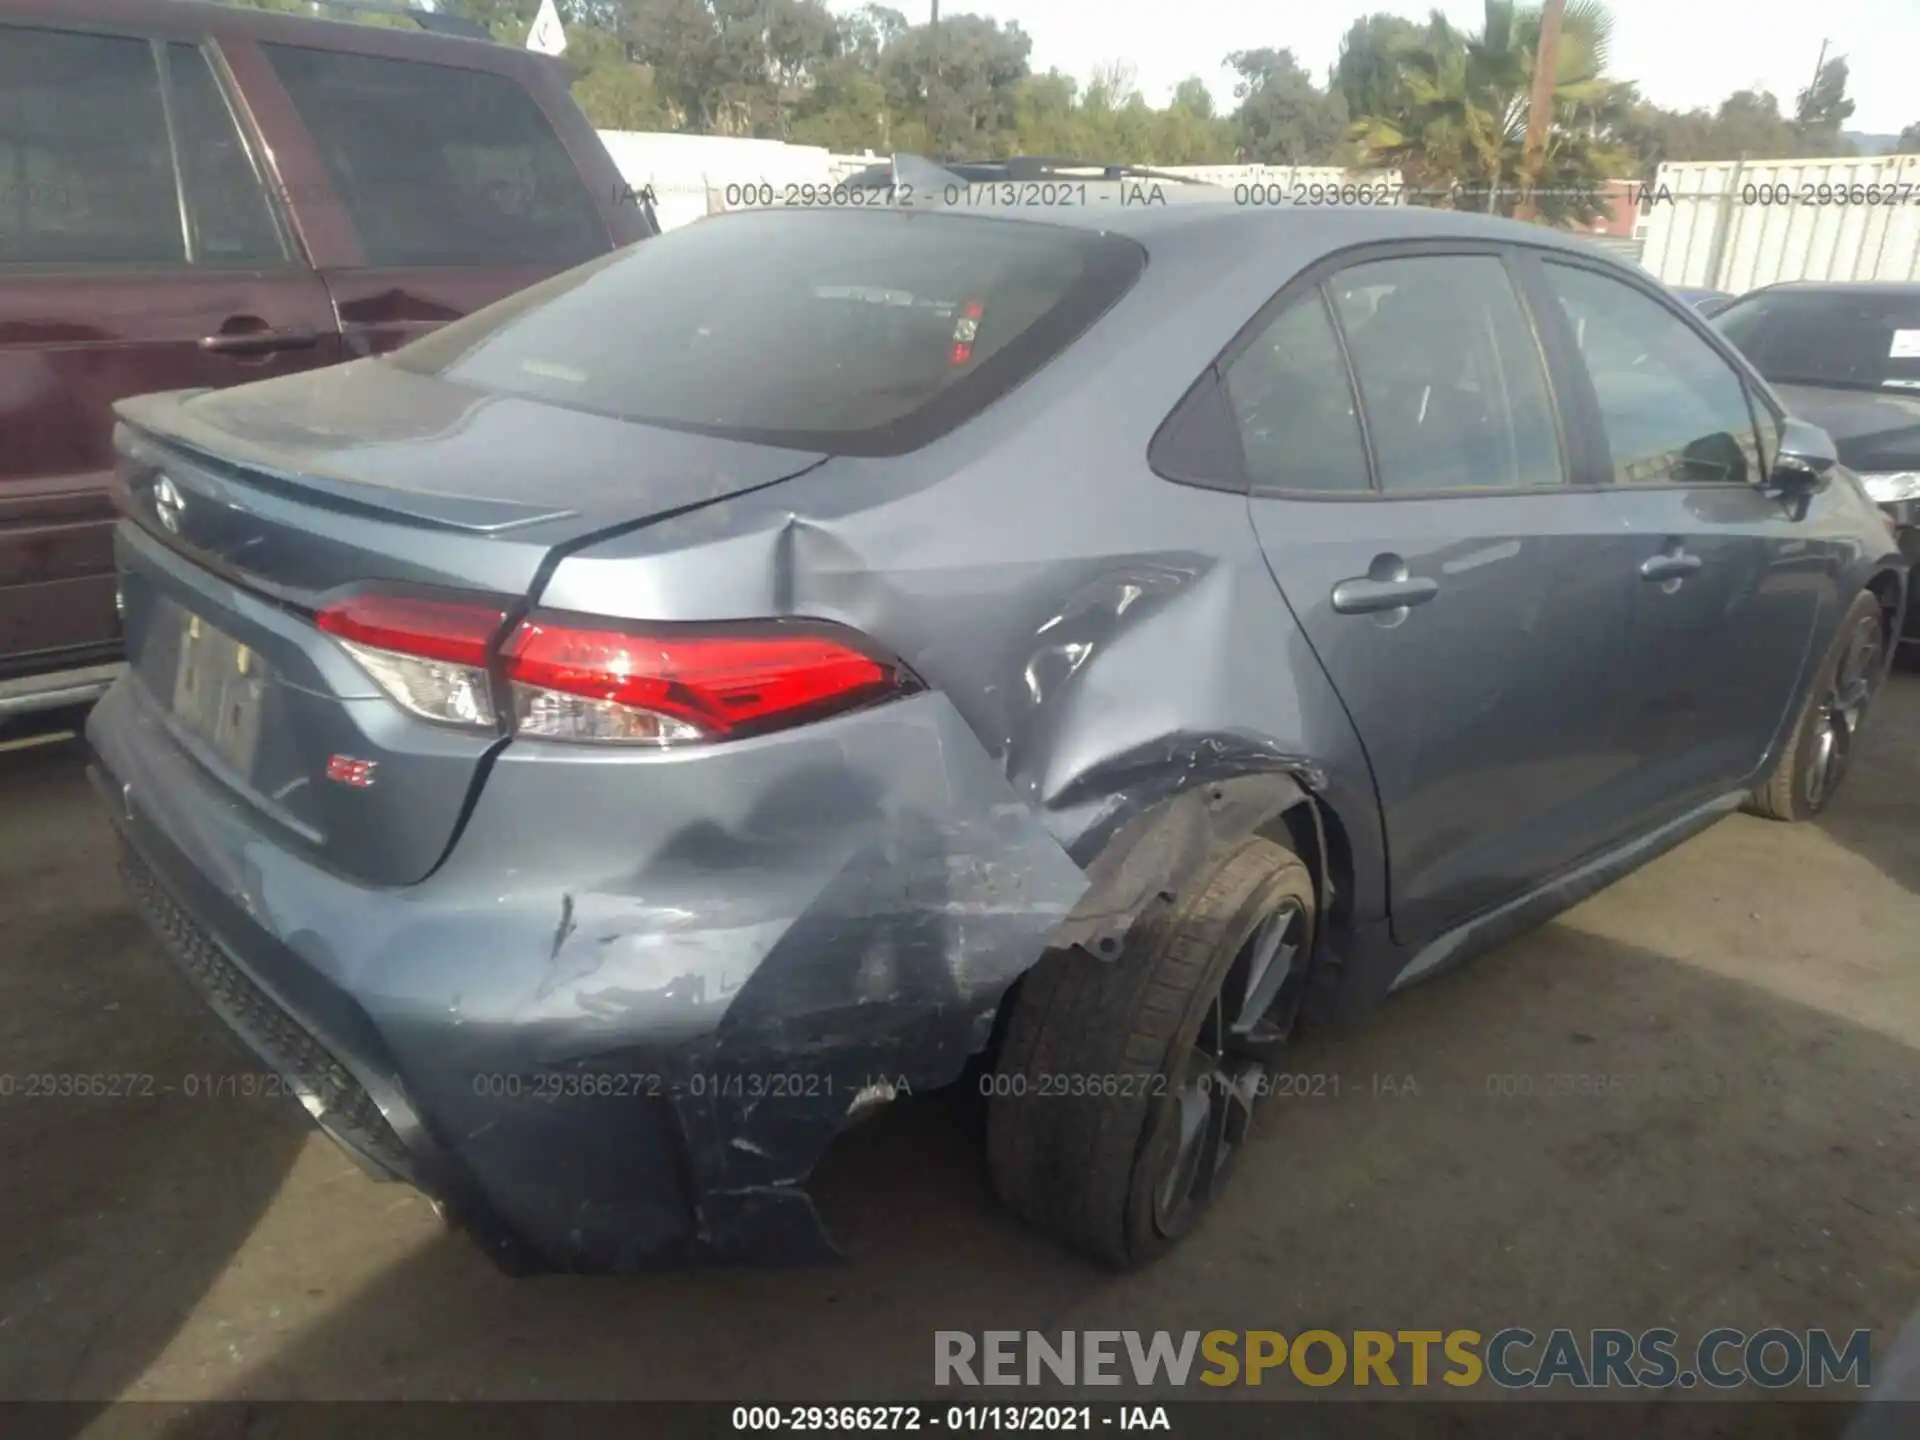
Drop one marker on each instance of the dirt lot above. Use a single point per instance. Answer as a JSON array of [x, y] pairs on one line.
[[1758, 992]]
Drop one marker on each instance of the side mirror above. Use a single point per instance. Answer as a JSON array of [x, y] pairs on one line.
[[1806, 459]]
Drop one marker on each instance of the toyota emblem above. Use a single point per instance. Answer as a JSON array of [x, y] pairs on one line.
[[168, 504]]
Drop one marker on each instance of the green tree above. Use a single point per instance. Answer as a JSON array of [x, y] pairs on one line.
[[1283, 117], [1909, 141], [1368, 71], [1822, 109], [1457, 121]]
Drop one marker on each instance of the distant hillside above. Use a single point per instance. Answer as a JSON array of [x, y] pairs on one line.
[[1871, 144]]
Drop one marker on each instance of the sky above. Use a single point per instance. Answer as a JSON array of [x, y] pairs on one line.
[[1684, 53]]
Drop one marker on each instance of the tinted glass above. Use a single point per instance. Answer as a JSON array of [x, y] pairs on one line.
[[441, 166], [227, 206], [1849, 338], [85, 173], [1450, 374], [860, 332], [1294, 407], [1674, 411]]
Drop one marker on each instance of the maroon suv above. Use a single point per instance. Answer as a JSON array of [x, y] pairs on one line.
[[197, 195]]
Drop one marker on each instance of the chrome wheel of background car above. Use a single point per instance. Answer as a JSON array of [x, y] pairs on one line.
[[1213, 1099], [1845, 706]]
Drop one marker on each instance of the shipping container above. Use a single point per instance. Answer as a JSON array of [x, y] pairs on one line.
[[1738, 225]]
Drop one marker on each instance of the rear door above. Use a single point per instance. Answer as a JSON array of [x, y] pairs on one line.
[[138, 251], [447, 187], [1417, 495], [1727, 582]]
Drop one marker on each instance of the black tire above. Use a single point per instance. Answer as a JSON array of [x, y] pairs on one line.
[[1098, 1070], [1816, 759]]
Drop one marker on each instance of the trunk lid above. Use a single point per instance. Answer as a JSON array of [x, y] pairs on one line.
[[245, 510]]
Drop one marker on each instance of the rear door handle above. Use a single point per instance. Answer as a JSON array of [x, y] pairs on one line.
[[1364, 595], [1670, 565], [258, 342]]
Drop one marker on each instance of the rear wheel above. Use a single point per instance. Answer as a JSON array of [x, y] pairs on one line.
[[1124, 1087], [1821, 750]]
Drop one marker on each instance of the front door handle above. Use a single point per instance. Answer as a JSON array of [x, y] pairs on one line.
[[1669, 565], [1368, 595], [247, 335]]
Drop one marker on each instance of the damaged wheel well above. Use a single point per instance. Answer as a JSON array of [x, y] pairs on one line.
[[1147, 860]]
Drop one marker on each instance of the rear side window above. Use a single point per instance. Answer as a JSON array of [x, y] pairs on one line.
[[1450, 374], [441, 166], [861, 333], [1674, 411], [86, 176], [1293, 406]]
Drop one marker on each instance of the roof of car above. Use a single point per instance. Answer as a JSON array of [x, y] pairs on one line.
[[332, 32], [1331, 226], [1842, 287]]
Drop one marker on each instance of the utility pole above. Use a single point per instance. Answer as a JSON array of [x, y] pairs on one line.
[[1546, 59], [933, 63], [1813, 86]]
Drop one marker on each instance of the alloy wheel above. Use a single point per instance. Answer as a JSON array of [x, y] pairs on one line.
[[1220, 1079], [1837, 722]]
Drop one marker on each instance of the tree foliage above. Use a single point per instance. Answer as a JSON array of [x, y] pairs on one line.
[[1445, 105]]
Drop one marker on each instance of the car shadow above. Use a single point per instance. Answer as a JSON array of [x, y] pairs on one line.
[[135, 1165], [1574, 1132], [1877, 811]]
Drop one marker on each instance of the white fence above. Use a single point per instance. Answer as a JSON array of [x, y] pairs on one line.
[[697, 175], [1741, 224]]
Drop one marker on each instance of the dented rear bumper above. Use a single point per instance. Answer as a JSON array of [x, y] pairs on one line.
[[624, 1040]]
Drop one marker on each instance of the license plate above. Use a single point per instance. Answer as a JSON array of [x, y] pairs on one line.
[[217, 689]]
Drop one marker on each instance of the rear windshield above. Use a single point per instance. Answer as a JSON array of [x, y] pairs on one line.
[[855, 332], [1847, 338]]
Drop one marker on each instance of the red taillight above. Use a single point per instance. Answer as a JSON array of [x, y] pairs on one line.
[[430, 656], [450, 630], [582, 682], [601, 680]]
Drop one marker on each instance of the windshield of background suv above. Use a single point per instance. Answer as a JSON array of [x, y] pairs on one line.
[[1849, 338], [863, 332]]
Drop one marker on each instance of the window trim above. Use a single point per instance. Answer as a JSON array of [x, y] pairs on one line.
[[1752, 384], [226, 85], [1314, 277]]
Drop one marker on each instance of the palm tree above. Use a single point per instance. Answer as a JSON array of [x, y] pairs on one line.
[[1456, 123]]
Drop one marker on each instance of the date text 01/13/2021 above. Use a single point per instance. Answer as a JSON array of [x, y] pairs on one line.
[[953, 1419]]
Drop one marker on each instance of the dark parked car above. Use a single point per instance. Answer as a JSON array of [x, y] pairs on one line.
[[604, 748], [200, 195], [1707, 302], [1847, 358]]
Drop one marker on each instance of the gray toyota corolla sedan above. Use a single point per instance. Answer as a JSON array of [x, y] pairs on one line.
[[601, 750]]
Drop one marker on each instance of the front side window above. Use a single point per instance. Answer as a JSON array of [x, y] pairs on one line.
[[86, 174], [1674, 411], [1293, 406], [441, 166], [857, 332], [1451, 378]]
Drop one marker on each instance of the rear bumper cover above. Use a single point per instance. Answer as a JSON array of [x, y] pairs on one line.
[[618, 1026]]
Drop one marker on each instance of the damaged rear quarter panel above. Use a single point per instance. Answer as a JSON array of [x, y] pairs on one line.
[[752, 937]]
